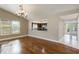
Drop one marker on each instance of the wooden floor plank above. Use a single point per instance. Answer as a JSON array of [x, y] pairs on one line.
[[31, 45]]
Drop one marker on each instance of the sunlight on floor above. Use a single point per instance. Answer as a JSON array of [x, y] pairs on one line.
[[70, 40], [11, 47]]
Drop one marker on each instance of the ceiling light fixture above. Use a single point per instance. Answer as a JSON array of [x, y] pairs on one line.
[[21, 12]]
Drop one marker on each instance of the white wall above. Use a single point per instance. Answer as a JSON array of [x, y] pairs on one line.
[[61, 29], [55, 26], [51, 33]]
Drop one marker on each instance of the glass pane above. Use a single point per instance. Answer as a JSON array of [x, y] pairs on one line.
[[15, 27], [70, 31], [6, 27], [72, 27]]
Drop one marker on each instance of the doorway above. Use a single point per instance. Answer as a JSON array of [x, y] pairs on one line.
[[70, 31]]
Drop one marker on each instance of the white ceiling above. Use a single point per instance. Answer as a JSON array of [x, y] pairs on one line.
[[70, 17], [41, 11]]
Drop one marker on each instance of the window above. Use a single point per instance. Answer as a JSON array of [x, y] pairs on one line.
[[70, 30], [71, 26], [15, 27], [8, 27], [39, 26]]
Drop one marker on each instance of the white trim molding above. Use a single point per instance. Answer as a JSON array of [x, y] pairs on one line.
[[40, 38], [13, 37], [77, 47]]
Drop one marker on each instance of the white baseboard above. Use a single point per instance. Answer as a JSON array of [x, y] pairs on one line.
[[53, 41], [43, 38], [40, 38], [13, 37]]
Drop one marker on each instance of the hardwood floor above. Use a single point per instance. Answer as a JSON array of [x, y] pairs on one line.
[[31, 45]]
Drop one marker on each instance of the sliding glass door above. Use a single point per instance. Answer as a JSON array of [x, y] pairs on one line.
[[71, 30]]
